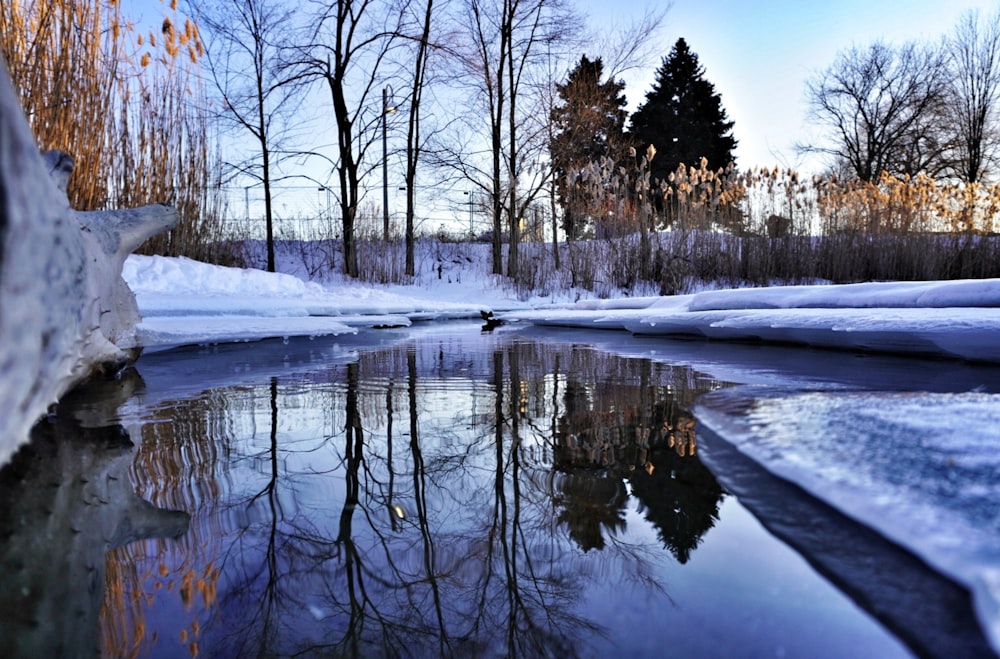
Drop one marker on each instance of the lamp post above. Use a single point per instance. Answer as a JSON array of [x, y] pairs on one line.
[[329, 213], [472, 231], [386, 111]]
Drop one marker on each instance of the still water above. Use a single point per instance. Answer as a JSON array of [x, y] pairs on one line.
[[444, 493]]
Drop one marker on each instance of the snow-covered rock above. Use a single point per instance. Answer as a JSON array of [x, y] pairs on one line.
[[65, 311]]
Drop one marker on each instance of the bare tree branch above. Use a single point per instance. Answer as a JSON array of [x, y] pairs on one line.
[[878, 104]]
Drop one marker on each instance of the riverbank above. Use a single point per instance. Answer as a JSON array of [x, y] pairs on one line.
[[184, 301]]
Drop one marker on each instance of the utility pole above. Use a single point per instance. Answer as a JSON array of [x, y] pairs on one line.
[[471, 213], [386, 111]]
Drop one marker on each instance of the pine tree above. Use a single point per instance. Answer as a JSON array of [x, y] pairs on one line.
[[588, 125], [683, 117]]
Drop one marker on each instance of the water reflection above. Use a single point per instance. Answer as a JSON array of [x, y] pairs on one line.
[[418, 500], [65, 500], [643, 438], [443, 495]]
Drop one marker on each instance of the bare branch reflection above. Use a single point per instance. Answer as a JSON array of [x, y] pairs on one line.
[[508, 503]]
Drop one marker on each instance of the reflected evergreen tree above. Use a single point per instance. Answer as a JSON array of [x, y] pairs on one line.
[[680, 497], [576, 399], [591, 504], [683, 117], [653, 447]]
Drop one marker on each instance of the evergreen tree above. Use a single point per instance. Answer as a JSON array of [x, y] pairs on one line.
[[587, 126], [683, 117]]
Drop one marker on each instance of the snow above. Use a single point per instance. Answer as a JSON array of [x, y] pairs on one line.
[[188, 302], [184, 301], [958, 319], [918, 467]]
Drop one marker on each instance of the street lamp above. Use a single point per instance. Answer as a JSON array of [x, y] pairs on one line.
[[329, 213], [471, 193], [386, 111]]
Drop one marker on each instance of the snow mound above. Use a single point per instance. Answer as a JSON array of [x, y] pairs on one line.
[[183, 302], [183, 276], [936, 294]]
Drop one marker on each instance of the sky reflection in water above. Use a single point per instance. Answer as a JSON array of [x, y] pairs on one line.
[[448, 496]]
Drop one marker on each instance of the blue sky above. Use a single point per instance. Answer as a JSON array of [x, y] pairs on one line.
[[759, 54]]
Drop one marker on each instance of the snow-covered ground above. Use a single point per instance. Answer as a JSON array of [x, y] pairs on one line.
[[184, 301], [953, 319], [920, 466]]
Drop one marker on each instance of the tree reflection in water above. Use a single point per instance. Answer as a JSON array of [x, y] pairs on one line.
[[316, 530], [640, 434]]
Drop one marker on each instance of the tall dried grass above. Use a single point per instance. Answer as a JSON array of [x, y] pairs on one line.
[[63, 58], [768, 226], [127, 103]]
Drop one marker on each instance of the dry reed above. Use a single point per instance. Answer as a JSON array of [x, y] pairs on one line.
[[126, 104], [767, 226]]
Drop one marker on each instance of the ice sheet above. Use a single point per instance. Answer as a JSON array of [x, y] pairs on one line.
[[920, 468]]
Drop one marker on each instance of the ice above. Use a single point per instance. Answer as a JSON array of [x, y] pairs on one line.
[[920, 468], [956, 319]]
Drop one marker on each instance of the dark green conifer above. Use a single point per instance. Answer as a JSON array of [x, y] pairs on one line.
[[683, 117]]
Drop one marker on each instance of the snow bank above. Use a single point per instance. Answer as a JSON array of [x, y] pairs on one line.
[[959, 319], [934, 294], [183, 276], [188, 302]]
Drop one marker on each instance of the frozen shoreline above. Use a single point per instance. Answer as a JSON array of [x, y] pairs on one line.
[[957, 319], [184, 301]]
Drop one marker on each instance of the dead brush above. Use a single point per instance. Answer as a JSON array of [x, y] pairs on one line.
[[127, 105]]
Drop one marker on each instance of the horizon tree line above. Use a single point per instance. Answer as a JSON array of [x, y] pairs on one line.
[[487, 106], [914, 108]]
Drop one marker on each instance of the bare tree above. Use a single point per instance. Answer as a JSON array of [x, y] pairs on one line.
[[346, 50], [503, 60], [876, 102], [243, 60], [973, 52], [413, 141], [491, 25], [630, 45]]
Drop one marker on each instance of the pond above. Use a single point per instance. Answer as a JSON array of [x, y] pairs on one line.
[[437, 492]]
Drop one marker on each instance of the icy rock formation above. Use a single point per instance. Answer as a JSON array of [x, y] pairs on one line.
[[65, 311]]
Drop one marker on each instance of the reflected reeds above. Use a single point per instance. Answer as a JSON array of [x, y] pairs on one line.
[[65, 502], [423, 499]]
